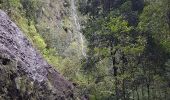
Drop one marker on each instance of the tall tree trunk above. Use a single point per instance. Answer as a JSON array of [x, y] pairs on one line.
[[148, 89], [114, 68], [123, 72]]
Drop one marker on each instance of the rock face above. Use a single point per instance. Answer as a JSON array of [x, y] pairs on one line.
[[25, 75]]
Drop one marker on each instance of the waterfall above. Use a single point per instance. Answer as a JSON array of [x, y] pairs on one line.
[[77, 27]]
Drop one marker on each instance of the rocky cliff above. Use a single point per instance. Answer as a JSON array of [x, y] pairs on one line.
[[59, 24], [25, 75]]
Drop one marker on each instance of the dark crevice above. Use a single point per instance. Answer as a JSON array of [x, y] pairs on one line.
[[13, 76], [5, 61]]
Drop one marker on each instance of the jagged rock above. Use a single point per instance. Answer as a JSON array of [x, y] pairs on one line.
[[25, 75]]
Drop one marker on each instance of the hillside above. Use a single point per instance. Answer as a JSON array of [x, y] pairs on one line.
[[25, 74], [107, 49]]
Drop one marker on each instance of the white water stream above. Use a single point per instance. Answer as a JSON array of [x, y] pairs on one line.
[[77, 27]]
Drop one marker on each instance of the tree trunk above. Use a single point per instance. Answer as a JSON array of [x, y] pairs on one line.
[[123, 72], [114, 68], [148, 88]]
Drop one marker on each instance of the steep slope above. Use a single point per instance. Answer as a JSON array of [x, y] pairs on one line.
[[24, 73], [59, 24]]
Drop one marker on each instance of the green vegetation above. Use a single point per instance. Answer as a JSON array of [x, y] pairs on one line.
[[128, 49], [23, 13]]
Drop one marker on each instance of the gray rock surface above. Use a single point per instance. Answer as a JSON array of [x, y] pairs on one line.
[[25, 75]]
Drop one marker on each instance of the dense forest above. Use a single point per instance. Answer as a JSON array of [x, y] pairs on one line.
[[108, 49]]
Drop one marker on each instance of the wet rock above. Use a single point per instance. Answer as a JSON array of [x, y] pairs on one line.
[[25, 75]]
